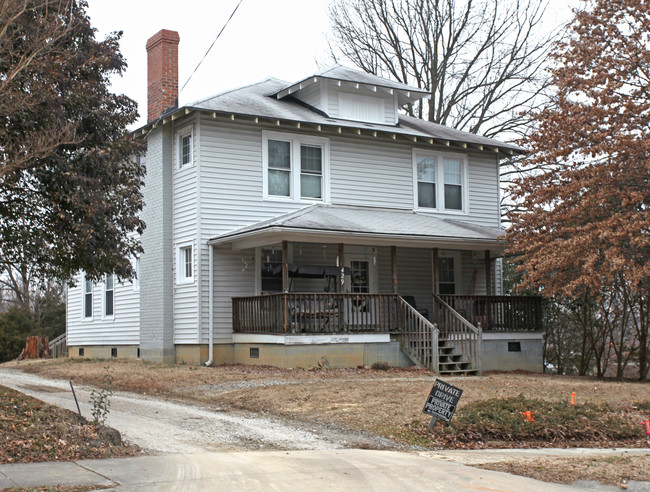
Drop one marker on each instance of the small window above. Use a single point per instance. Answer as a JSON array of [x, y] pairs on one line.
[[185, 148], [185, 264], [81, 352], [109, 289], [514, 346], [279, 180], [426, 182], [254, 353], [87, 298], [114, 352]]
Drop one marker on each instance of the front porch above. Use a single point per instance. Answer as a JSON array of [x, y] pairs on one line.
[[448, 341], [430, 284]]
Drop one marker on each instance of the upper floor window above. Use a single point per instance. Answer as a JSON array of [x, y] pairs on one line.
[[185, 147], [440, 181], [109, 298], [295, 166], [87, 298]]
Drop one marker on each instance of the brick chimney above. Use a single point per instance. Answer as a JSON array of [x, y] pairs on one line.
[[162, 73]]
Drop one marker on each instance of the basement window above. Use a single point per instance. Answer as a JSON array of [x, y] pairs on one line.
[[114, 352], [81, 352], [254, 353], [514, 346]]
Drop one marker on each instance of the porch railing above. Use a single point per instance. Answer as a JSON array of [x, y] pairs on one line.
[[59, 347], [458, 332], [499, 313], [419, 337], [316, 313]]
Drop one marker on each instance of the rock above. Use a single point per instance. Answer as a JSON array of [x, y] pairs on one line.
[[110, 435]]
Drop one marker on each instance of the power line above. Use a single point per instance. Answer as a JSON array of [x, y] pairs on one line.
[[215, 40]]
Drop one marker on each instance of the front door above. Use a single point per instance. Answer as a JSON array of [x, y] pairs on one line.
[[448, 273], [362, 280]]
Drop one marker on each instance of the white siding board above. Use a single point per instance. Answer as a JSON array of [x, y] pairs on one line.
[[122, 329], [310, 95]]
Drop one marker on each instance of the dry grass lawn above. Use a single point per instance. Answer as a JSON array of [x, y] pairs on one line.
[[388, 403]]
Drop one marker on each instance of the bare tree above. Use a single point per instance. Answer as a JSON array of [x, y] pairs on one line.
[[482, 61]]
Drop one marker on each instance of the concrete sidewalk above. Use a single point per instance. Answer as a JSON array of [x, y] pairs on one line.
[[347, 469]]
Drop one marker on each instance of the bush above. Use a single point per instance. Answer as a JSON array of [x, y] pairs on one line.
[[15, 325]]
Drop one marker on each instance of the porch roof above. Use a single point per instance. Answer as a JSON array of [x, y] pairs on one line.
[[364, 225]]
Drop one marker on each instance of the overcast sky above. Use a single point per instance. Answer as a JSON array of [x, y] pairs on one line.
[[279, 38]]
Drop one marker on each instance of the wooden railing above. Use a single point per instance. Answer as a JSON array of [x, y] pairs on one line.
[[316, 313], [419, 337], [499, 313], [459, 333], [59, 347]]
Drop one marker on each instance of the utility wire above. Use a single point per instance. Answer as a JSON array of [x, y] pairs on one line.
[[215, 40]]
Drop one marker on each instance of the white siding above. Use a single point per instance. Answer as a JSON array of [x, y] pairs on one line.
[[362, 172], [311, 95], [122, 329], [184, 190]]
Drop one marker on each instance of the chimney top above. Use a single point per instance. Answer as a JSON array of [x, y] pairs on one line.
[[162, 73]]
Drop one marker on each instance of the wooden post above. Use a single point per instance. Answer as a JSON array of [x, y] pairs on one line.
[[285, 266], [393, 266], [434, 262], [341, 266], [488, 275]]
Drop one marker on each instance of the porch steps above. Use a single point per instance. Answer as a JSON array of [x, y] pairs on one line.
[[452, 362]]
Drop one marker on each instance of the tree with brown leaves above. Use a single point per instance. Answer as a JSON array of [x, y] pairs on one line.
[[583, 227]]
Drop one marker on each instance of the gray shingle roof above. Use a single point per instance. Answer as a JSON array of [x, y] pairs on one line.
[[257, 100], [339, 72], [352, 221]]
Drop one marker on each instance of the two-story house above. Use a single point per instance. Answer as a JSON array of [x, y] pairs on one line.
[[310, 223]]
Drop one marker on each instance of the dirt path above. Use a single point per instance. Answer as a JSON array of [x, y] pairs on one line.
[[161, 426]]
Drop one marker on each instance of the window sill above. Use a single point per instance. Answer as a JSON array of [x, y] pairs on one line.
[[439, 211]]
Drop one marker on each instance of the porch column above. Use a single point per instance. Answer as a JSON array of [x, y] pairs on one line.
[[393, 266], [434, 263], [285, 266], [488, 275], [341, 266]]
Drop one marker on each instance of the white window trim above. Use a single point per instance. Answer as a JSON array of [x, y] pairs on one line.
[[83, 299], [104, 315], [136, 278], [294, 184], [184, 132], [439, 181], [180, 263]]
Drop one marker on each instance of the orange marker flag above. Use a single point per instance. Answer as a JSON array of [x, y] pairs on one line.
[[528, 416], [573, 398], [647, 426]]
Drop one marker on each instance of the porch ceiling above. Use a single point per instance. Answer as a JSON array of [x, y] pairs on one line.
[[364, 225]]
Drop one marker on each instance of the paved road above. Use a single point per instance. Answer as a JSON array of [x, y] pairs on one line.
[[332, 470]]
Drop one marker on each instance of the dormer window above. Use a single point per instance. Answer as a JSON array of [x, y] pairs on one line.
[[357, 107]]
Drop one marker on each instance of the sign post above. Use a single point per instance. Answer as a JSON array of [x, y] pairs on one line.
[[442, 401]]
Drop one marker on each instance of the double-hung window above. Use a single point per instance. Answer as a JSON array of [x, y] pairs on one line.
[[87, 298], [185, 273], [109, 297], [185, 149], [295, 167], [440, 181]]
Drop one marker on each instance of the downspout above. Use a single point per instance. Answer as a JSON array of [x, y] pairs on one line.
[[210, 306]]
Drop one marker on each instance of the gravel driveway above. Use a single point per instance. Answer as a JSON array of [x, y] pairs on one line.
[[160, 426]]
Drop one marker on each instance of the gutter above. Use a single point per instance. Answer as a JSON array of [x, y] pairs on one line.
[[210, 307]]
